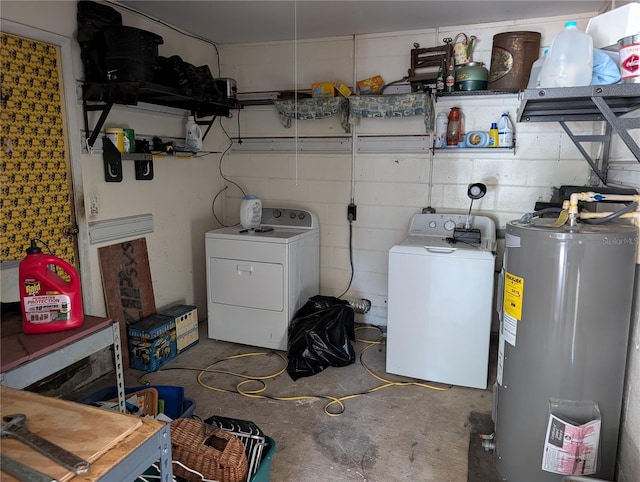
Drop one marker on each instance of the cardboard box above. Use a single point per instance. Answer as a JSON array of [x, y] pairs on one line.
[[342, 88], [372, 85], [152, 342], [186, 318], [323, 89]]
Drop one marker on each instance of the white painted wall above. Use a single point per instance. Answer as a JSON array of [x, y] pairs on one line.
[[388, 188]]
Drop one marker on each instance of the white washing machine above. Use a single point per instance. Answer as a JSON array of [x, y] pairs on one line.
[[257, 279], [440, 301]]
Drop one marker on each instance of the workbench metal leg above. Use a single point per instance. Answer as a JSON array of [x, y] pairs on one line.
[[166, 469], [117, 362]]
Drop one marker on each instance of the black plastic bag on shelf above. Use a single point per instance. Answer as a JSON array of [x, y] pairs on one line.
[[189, 80], [91, 19], [319, 337]]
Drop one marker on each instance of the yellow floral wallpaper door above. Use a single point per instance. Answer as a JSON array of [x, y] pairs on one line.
[[35, 179]]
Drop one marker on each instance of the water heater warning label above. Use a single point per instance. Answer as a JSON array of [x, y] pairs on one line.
[[513, 291]]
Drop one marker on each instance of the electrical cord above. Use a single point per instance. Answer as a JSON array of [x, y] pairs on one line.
[[213, 203], [213, 44], [527, 217], [466, 243], [350, 259], [335, 405]]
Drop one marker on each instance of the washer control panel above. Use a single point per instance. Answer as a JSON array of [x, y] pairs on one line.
[[436, 224], [288, 218], [443, 225]]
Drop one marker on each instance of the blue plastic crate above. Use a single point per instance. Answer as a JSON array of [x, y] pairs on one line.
[[263, 474], [176, 405]]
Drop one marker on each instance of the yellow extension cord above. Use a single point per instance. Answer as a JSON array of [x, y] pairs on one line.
[[259, 392]]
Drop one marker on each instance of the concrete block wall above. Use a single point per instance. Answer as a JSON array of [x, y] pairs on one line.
[[388, 188]]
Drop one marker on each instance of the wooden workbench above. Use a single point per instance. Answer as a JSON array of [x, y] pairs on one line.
[[120, 447]]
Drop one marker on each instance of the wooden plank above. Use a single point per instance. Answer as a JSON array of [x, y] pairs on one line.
[[88, 432], [126, 281], [120, 451]]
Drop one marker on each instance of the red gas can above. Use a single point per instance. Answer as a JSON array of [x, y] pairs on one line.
[[49, 303]]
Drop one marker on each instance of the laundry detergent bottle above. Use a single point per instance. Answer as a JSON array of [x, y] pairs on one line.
[[49, 302], [250, 212], [193, 135]]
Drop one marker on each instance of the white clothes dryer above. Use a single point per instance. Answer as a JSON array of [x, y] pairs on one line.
[[257, 279], [440, 300]]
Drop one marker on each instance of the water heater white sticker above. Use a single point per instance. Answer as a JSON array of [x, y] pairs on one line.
[[509, 328], [500, 368], [511, 240]]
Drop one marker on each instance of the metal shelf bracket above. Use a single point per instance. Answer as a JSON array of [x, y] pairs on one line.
[[606, 103]]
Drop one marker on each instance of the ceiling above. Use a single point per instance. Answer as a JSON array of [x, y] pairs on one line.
[[240, 21]]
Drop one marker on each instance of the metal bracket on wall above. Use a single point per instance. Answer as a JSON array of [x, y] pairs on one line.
[[86, 108], [112, 159], [208, 123], [591, 103], [605, 139]]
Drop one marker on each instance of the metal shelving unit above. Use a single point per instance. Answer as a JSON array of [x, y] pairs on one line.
[[97, 333], [606, 103], [101, 97]]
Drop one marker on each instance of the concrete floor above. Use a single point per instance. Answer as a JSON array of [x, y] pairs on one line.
[[401, 431]]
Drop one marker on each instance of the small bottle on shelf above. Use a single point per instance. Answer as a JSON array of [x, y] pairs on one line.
[[440, 78], [193, 135], [450, 82], [493, 135], [454, 127], [505, 131], [441, 129]]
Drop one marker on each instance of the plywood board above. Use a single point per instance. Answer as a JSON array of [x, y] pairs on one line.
[[86, 431], [126, 281]]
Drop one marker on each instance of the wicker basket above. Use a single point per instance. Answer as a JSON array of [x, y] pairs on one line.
[[249, 434], [213, 452]]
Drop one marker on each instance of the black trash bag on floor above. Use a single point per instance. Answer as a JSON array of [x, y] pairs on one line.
[[319, 337]]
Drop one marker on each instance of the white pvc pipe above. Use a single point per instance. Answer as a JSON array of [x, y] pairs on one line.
[[595, 197], [589, 215]]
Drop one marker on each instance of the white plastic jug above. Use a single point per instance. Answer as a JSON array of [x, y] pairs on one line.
[[534, 77], [505, 131], [250, 212], [441, 129], [193, 136], [569, 62]]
